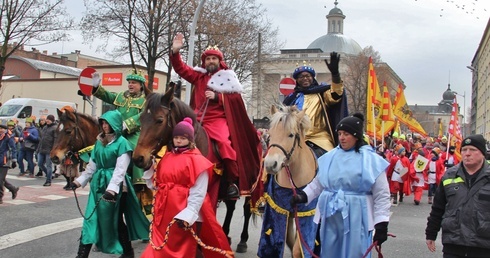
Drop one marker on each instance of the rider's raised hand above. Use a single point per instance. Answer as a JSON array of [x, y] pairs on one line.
[[96, 80], [178, 43], [333, 66]]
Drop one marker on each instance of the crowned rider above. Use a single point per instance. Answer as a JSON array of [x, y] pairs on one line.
[[219, 106]]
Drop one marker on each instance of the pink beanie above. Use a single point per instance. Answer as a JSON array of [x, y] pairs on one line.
[[184, 128]]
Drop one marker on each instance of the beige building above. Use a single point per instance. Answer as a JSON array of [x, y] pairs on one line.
[[46, 78], [271, 69], [480, 87]]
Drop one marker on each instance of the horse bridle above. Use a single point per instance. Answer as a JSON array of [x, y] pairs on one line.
[[286, 153], [71, 151], [170, 121]]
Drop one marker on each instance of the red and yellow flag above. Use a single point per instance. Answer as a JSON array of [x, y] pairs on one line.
[[403, 113], [454, 130], [378, 108]]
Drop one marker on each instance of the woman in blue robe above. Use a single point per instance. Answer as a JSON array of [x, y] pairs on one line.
[[353, 194]]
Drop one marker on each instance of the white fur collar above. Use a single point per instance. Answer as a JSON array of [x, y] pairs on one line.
[[223, 81]]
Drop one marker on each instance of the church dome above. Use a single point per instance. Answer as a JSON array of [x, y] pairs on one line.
[[336, 42], [448, 95], [335, 10]]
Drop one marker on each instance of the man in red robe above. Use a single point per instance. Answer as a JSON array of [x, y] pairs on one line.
[[219, 106]]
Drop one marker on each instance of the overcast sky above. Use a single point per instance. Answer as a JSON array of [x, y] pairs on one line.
[[428, 43]]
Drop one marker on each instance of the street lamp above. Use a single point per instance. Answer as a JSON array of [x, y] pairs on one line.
[[190, 58]]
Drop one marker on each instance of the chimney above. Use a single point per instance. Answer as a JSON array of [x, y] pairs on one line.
[[64, 60], [77, 52], [55, 53], [45, 52]]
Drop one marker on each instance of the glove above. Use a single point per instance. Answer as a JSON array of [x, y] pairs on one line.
[[14, 164], [181, 223], [300, 197], [73, 186], [448, 165], [333, 66], [108, 196], [381, 234], [96, 80]]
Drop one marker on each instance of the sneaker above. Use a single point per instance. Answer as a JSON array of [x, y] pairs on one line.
[[47, 184], [21, 174], [232, 192], [14, 193], [39, 174], [31, 175]]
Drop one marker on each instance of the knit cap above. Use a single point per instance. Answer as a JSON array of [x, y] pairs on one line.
[[304, 68], [184, 128], [353, 125], [476, 140]]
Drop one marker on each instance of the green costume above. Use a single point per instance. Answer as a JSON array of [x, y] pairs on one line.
[[130, 108], [101, 228]]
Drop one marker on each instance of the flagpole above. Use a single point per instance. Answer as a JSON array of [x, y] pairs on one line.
[[374, 125], [382, 133]]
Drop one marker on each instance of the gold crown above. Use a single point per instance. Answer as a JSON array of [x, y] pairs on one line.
[[136, 72], [304, 64], [215, 47]]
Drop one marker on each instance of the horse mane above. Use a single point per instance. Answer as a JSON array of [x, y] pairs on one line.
[[180, 109], [288, 117], [66, 115]]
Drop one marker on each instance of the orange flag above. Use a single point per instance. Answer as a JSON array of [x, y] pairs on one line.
[[403, 113]]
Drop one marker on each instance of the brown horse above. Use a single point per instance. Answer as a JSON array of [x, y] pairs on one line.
[[159, 117], [292, 165], [75, 132]]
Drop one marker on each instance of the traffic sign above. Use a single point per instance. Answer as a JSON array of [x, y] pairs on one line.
[[85, 81], [286, 86]]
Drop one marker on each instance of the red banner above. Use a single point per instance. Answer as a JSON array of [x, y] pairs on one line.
[[112, 79]]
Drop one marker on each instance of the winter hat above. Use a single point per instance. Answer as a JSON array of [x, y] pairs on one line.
[[477, 141], [353, 125], [11, 123], [51, 118], [303, 68], [29, 120], [184, 128], [3, 126]]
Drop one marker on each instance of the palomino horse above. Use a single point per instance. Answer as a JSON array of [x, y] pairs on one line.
[[160, 115], [75, 132], [291, 165]]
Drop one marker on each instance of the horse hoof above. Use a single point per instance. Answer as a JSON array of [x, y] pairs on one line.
[[241, 247]]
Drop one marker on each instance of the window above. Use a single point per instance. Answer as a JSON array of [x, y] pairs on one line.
[[9, 110], [25, 112]]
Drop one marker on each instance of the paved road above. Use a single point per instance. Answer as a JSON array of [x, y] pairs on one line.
[[44, 222]]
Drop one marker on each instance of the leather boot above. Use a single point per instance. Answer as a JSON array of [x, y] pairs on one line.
[[83, 250], [430, 199], [401, 197], [68, 181], [128, 251], [395, 198]]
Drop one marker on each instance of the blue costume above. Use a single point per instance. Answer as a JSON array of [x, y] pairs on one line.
[[276, 214], [346, 206]]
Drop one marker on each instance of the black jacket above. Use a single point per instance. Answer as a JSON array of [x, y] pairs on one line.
[[463, 213]]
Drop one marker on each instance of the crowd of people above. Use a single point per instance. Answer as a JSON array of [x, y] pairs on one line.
[[354, 200]]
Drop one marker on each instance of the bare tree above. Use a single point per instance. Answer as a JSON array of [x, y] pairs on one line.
[[143, 29], [31, 22], [355, 78]]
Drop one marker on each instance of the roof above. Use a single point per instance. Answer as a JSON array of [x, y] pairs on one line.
[[338, 43], [50, 67]]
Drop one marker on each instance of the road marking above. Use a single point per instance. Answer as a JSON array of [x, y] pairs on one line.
[[34, 233]]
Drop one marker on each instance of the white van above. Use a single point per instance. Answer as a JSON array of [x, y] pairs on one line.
[[21, 108]]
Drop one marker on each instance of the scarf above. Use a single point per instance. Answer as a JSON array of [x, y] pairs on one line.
[[179, 150]]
